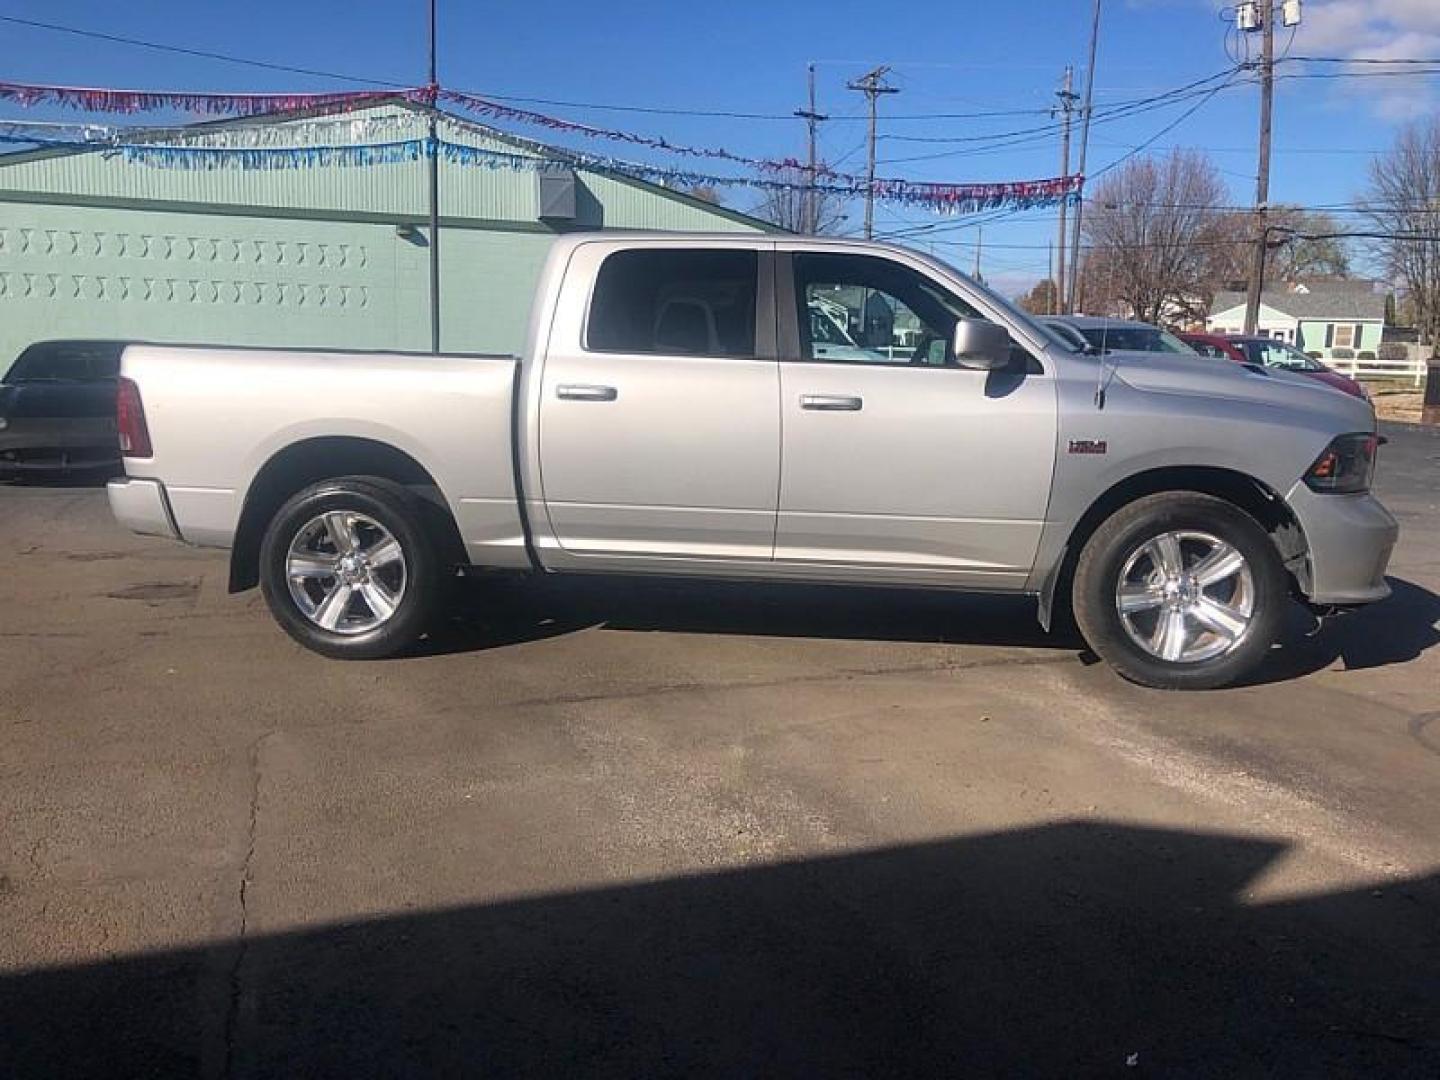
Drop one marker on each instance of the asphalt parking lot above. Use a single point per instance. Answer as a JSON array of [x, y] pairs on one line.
[[647, 828]]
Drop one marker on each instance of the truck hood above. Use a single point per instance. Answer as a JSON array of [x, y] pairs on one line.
[[1203, 376]]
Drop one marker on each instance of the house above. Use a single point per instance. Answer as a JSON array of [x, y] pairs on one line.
[[1336, 319], [326, 255]]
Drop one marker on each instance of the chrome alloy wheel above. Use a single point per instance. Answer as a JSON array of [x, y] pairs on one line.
[[346, 572], [1186, 596]]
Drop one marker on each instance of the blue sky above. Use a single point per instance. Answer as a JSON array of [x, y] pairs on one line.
[[751, 56]]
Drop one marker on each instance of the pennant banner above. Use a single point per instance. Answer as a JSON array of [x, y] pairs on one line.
[[265, 149], [495, 110], [944, 198], [359, 129], [100, 99], [992, 196], [206, 158]]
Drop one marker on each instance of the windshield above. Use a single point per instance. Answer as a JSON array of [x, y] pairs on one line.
[[1134, 339], [1005, 307], [1279, 354]]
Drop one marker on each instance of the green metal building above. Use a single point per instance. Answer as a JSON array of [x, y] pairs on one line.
[[95, 246]]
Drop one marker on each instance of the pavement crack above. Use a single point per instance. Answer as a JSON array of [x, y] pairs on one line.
[[236, 978], [1063, 657], [1418, 731]]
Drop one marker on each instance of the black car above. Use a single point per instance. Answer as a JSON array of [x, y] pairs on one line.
[[57, 409]]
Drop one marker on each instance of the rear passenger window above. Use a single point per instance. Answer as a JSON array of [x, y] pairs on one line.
[[675, 303]]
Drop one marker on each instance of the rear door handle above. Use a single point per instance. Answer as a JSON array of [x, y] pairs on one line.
[[831, 403], [586, 392]]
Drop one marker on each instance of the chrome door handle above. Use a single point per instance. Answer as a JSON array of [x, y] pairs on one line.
[[585, 392], [831, 403]]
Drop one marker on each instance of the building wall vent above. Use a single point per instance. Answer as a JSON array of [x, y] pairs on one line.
[[557, 194]]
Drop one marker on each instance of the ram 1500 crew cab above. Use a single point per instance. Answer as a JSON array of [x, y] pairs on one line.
[[768, 408]]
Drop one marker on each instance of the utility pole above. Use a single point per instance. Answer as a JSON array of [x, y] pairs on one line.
[[812, 120], [1051, 300], [979, 244], [872, 85], [434, 147], [1262, 176], [1086, 109], [1067, 97]]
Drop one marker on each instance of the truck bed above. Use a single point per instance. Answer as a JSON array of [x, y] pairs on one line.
[[218, 415]]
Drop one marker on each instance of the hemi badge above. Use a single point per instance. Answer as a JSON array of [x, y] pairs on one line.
[[1088, 446]]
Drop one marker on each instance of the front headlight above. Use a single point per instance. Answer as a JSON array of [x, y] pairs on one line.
[[1346, 466]]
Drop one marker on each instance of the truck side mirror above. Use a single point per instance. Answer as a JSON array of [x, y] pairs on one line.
[[981, 344]]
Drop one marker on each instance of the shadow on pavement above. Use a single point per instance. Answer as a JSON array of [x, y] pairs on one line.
[[1054, 951], [492, 612], [1394, 631]]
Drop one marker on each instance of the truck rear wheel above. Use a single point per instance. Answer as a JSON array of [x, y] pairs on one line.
[[348, 569], [1180, 591]]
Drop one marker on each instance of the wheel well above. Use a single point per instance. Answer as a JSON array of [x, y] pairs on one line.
[[312, 460], [1254, 497]]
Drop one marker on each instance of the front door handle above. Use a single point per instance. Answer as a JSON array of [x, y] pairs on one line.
[[586, 392], [831, 403]]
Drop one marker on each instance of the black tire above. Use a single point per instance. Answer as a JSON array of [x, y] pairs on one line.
[[386, 504], [1126, 532]]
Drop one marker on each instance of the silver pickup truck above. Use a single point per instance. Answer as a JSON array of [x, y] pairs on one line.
[[677, 412]]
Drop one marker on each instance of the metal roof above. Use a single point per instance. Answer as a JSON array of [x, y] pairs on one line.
[[1328, 300], [1097, 322], [91, 176]]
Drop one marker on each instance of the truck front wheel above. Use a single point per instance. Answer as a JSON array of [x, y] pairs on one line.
[[1180, 591], [348, 569]]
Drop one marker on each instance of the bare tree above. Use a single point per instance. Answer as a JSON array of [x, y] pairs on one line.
[[1043, 299], [1403, 203], [788, 207], [706, 193], [1302, 245], [1151, 227], [1315, 251]]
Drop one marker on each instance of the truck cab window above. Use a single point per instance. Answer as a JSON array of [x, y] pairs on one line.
[[675, 303], [859, 309]]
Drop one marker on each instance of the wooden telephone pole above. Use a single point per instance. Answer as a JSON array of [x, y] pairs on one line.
[[872, 85], [1262, 175], [812, 121], [1067, 97], [1086, 110]]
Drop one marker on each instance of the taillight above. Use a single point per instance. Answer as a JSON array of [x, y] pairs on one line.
[[130, 421], [1346, 466]]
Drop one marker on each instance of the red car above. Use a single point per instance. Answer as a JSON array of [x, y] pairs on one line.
[[1271, 353]]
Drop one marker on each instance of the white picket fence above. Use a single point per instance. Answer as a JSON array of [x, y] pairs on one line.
[[1411, 369]]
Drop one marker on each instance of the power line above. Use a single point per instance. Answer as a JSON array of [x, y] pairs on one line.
[[1044, 133], [203, 54], [1114, 109], [1159, 134], [655, 110], [1369, 61], [938, 229]]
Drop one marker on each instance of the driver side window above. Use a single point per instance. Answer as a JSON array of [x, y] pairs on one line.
[[859, 309]]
